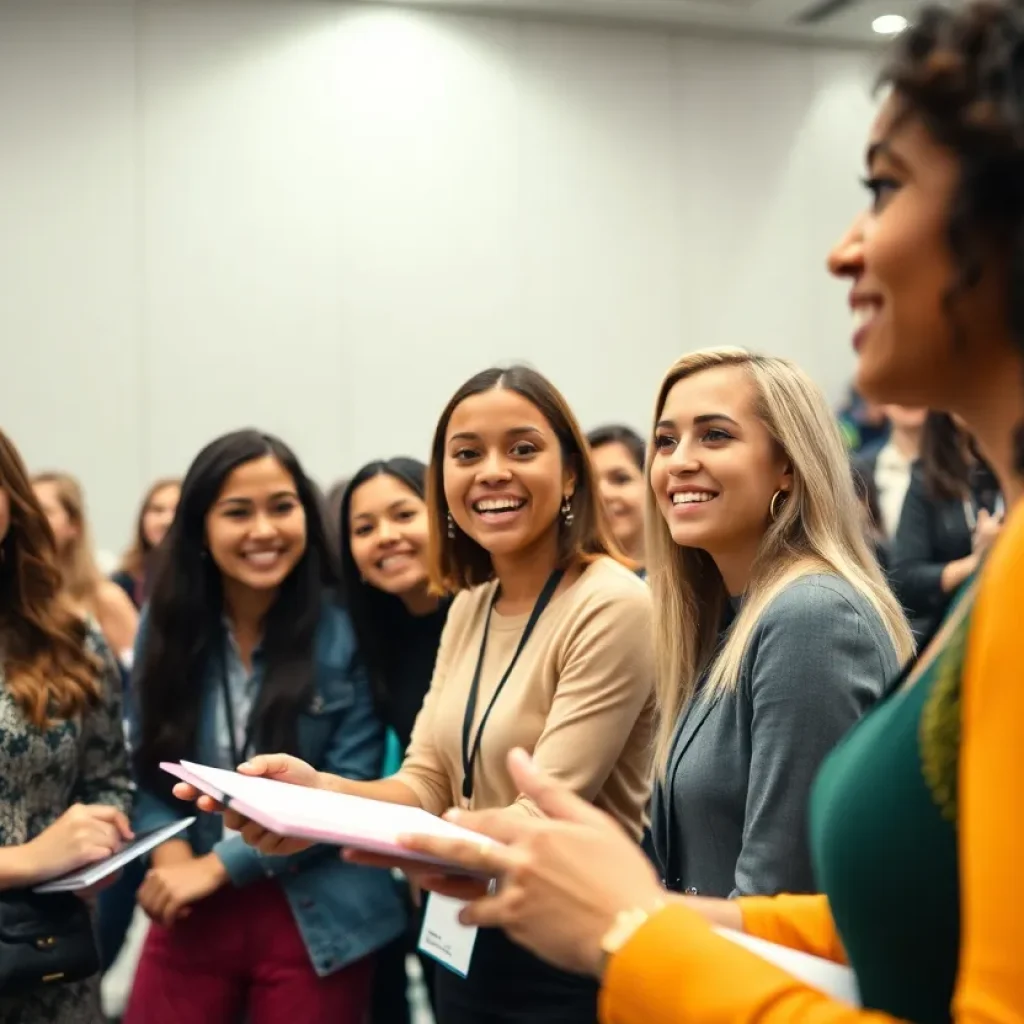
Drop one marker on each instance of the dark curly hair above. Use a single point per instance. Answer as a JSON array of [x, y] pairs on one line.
[[960, 69]]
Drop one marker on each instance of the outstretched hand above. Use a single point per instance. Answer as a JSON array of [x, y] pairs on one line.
[[280, 768], [563, 879]]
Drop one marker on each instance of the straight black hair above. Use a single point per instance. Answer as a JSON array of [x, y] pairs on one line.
[[184, 628], [377, 617]]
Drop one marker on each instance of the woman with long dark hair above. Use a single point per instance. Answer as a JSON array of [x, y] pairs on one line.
[[385, 580], [242, 651], [384, 538], [951, 516], [64, 781]]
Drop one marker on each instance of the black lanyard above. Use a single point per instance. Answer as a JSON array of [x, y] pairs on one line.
[[237, 756], [469, 753]]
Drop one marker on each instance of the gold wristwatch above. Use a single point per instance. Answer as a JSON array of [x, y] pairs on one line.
[[624, 927]]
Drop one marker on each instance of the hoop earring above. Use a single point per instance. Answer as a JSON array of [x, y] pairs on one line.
[[567, 515], [451, 526], [774, 509]]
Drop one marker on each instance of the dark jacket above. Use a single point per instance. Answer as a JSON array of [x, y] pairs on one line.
[[729, 815], [931, 534]]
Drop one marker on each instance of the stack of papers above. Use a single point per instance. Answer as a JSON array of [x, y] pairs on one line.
[[321, 816]]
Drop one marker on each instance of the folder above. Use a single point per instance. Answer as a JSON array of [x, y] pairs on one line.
[[87, 877], [321, 816]]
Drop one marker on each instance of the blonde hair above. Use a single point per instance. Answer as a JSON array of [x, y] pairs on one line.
[[80, 574], [818, 530]]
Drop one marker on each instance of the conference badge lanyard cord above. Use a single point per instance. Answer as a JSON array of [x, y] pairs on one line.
[[443, 938], [238, 754]]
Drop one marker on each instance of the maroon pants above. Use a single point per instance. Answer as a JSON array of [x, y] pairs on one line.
[[237, 957]]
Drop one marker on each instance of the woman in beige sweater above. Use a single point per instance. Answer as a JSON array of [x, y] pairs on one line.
[[547, 646]]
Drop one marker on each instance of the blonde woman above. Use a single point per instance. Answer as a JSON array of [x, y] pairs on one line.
[[775, 630], [61, 498]]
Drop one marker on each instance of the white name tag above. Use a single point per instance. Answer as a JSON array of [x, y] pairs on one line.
[[443, 938]]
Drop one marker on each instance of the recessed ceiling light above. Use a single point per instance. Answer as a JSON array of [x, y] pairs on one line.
[[889, 24]]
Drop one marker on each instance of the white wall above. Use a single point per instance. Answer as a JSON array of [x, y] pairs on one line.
[[321, 218]]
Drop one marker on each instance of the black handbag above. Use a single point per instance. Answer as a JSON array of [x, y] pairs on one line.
[[45, 939]]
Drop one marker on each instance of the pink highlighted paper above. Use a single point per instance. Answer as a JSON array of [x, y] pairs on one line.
[[321, 816]]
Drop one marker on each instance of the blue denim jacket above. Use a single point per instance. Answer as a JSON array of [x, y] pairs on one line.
[[342, 910]]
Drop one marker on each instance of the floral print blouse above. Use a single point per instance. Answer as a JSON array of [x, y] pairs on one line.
[[42, 774]]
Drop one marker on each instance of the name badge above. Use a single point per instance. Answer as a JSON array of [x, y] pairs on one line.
[[443, 938]]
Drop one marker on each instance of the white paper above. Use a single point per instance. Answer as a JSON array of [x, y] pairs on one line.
[[831, 978], [86, 877], [444, 938], [321, 815]]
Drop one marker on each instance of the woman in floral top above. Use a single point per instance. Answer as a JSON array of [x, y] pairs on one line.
[[64, 783]]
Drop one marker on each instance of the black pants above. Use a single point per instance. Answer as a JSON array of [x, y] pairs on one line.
[[508, 985], [389, 1002]]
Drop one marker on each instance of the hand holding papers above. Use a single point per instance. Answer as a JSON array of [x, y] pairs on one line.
[[319, 816], [92, 874]]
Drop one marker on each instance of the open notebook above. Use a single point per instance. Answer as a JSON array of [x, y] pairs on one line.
[[321, 816], [832, 979]]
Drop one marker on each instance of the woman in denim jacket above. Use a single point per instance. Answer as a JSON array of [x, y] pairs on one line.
[[242, 650]]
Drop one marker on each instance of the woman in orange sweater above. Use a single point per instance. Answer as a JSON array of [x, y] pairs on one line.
[[917, 818]]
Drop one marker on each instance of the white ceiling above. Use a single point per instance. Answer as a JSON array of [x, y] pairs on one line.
[[850, 23]]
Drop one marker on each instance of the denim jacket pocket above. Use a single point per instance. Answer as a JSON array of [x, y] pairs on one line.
[[319, 720]]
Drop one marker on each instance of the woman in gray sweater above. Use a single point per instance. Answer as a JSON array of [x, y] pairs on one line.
[[775, 627]]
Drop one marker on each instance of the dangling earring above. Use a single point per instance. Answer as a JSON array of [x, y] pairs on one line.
[[567, 511], [775, 507], [451, 526]]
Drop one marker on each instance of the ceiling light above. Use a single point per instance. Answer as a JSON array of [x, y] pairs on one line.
[[889, 24]]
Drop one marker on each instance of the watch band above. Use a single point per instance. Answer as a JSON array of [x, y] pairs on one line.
[[625, 925]]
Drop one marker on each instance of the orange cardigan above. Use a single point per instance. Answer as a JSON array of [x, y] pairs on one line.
[[675, 970]]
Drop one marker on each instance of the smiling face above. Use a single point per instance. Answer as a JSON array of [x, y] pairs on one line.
[[504, 475], [715, 466], [256, 527], [159, 514], [621, 485], [897, 256], [388, 535]]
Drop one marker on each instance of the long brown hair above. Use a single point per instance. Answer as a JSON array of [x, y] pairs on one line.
[[77, 561], [135, 559], [48, 670], [459, 562]]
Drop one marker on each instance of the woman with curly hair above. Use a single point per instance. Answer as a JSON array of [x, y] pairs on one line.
[[917, 817], [64, 781]]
